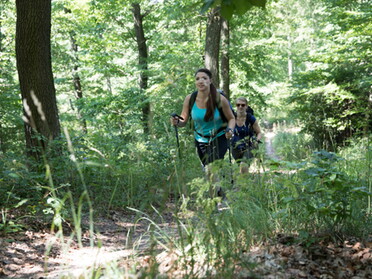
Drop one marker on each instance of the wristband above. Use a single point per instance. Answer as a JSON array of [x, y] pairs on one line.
[[228, 130]]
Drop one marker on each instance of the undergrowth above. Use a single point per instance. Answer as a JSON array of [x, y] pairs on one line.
[[308, 193]]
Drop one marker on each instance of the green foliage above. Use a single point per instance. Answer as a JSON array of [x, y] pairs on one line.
[[327, 198], [336, 77], [292, 146], [114, 165], [358, 158], [213, 237], [11, 126], [230, 7]]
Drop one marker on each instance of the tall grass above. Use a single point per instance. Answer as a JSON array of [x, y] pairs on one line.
[[305, 193], [293, 145]]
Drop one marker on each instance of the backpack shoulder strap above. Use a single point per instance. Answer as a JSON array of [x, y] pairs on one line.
[[250, 110], [219, 106], [248, 121], [192, 101], [218, 102]]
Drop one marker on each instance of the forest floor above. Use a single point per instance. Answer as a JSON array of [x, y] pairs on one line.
[[38, 253]]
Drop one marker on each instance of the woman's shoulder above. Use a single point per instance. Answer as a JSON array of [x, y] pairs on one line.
[[223, 100], [187, 98]]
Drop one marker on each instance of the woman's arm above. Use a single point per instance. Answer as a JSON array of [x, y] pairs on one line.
[[257, 130], [185, 114], [229, 115]]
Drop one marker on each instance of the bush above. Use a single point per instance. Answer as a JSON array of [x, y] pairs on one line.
[[325, 198]]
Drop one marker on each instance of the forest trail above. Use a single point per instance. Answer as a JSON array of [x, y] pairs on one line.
[[35, 255], [270, 152], [125, 241], [126, 244]]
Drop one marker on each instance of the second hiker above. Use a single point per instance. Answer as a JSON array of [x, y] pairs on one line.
[[247, 133]]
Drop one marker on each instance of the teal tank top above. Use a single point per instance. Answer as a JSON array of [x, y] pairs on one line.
[[206, 131]]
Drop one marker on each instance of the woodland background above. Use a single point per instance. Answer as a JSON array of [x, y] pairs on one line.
[[87, 89]]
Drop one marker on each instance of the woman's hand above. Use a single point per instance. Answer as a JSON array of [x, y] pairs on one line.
[[175, 120], [229, 133]]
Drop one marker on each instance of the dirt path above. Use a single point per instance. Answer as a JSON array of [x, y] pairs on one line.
[[125, 242], [36, 255], [269, 136], [39, 254]]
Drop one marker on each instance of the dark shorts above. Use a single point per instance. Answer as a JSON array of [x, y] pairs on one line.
[[215, 150]]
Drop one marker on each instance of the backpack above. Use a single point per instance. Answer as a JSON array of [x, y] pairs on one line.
[[249, 110]]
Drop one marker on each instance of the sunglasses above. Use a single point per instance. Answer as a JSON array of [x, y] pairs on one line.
[[240, 105]]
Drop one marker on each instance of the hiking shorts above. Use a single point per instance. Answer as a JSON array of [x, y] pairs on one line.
[[214, 150]]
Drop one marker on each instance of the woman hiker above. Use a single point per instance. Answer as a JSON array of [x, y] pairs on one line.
[[213, 118], [246, 129]]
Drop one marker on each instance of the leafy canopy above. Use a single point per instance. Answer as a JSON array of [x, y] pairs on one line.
[[231, 7]]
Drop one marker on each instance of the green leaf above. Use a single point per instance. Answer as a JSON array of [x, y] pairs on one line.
[[314, 171], [21, 203], [207, 5], [14, 175], [289, 199], [227, 11], [242, 6], [92, 163], [258, 3]]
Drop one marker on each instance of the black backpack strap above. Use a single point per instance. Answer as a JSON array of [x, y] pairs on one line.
[[213, 135], [219, 107], [249, 110], [218, 102], [192, 101], [249, 124]]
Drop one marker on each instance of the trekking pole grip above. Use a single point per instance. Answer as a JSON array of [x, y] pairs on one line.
[[174, 115]]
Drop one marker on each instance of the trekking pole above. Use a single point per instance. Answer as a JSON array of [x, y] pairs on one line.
[[176, 131], [231, 170]]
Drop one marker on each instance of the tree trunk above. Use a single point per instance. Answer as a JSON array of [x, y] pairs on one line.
[[212, 45], [33, 27], [2, 146], [368, 124], [77, 82], [142, 61], [289, 57], [2, 143], [75, 75], [225, 57]]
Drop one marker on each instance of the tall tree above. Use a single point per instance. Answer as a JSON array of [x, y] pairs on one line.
[[142, 61], [75, 74], [33, 53], [212, 44], [225, 57]]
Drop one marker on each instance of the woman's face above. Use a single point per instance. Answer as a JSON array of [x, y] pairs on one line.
[[202, 81], [241, 106]]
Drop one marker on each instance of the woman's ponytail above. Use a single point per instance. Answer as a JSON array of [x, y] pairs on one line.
[[211, 104]]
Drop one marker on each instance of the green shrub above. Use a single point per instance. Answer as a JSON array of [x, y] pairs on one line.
[[293, 147], [325, 198]]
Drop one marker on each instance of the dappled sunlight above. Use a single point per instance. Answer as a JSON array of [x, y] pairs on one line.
[[100, 180]]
